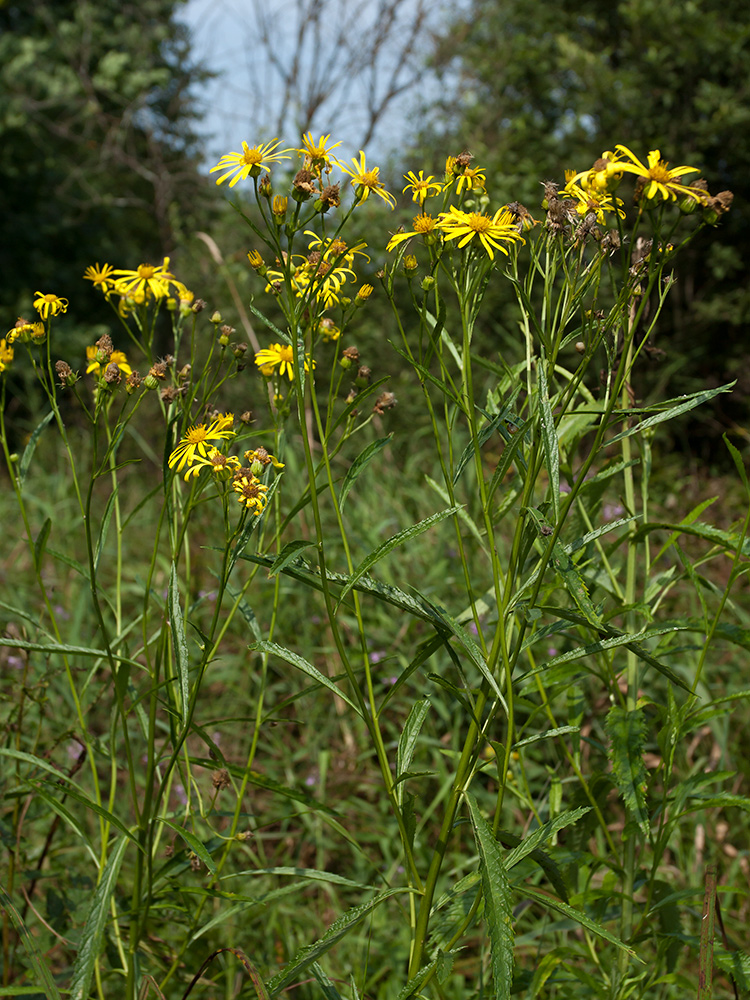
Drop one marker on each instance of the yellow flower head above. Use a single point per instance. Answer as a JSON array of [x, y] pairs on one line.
[[278, 356], [602, 178], [250, 492], [421, 187], [221, 465], [194, 442], [97, 367], [364, 181], [100, 276], [592, 200], [661, 182], [249, 162], [49, 305], [317, 154], [147, 278], [424, 225], [6, 354], [457, 169], [492, 231]]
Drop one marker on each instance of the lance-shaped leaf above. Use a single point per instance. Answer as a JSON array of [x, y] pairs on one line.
[[498, 912], [627, 736]]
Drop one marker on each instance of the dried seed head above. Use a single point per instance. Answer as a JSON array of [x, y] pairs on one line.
[[220, 779], [385, 401]]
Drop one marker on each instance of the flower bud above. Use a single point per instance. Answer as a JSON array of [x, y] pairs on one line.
[[428, 282], [216, 318]]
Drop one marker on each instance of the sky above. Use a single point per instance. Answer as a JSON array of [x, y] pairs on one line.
[[349, 57]]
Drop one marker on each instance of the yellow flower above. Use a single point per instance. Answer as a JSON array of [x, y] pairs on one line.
[[328, 330], [221, 465], [194, 441], [424, 225], [116, 357], [279, 208], [146, 278], [468, 177], [592, 200], [421, 186], [49, 304], [250, 491], [99, 274], [335, 248], [6, 354], [660, 180], [464, 226], [603, 177], [364, 181], [249, 162], [21, 329], [317, 154], [364, 293]]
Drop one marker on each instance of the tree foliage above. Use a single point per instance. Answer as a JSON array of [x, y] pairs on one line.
[[96, 124]]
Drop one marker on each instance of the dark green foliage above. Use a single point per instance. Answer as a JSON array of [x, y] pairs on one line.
[[100, 160]]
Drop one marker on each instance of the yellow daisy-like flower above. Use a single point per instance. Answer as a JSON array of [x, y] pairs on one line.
[[492, 231], [194, 442], [49, 305], [592, 200], [364, 181], [335, 248], [250, 492], [603, 177], [116, 357], [328, 330], [279, 356], [221, 465], [317, 154], [465, 176], [6, 354], [276, 356], [249, 162], [21, 329], [146, 278], [661, 181], [424, 225], [421, 186], [99, 274]]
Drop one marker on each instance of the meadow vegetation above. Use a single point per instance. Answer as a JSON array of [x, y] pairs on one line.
[[347, 662]]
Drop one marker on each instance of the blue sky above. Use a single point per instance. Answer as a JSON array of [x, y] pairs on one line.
[[243, 102]]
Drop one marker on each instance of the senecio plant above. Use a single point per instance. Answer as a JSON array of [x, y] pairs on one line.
[[528, 832]]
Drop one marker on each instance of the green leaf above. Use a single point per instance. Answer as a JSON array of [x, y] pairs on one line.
[[287, 554], [338, 929], [549, 437], [28, 452], [196, 846], [568, 571], [684, 404], [96, 919], [739, 464], [498, 911], [627, 731], [475, 653], [391, 543], [308, 874], [578, 916], [38, 963], [41, 543], [103, 529], [297, 661], [416, 983], [408, 741], [358, 466], [179, 642]]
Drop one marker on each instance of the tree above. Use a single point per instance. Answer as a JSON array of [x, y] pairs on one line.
[[532, 88], [96, 124]]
